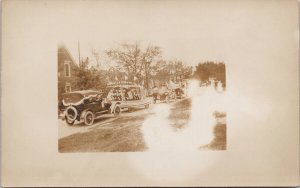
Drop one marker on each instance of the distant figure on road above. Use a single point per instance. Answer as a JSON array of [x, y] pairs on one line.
[[219, 87]]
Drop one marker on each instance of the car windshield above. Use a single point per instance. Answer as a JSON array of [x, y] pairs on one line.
[[72, 97]]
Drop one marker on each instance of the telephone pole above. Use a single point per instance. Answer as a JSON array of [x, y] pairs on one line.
[[78, 52]]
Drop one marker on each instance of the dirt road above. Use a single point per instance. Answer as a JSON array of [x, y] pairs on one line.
[[125, 133]]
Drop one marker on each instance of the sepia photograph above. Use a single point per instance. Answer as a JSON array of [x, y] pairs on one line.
[[156, 93], [129, 97]]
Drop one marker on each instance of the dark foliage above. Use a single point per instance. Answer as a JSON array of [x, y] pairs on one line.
[[206, 70]]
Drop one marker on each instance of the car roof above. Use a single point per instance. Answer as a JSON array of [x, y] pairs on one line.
[[85, 92], [125, 86]]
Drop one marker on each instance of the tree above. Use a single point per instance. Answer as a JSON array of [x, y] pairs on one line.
[[134, 61], [87, 77], [149, 62], [174, 70], [127, 56], [209, 69]]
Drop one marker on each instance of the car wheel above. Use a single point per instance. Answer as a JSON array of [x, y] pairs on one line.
[[69, 122], [117, 111], [71, 115], [89, 118]]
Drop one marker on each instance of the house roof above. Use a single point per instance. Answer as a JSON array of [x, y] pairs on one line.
[[64, 49]]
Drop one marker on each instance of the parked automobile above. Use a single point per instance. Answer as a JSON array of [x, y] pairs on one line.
[[128, 96], [162, 94], [165, 93], [86, 106], [179, 93]]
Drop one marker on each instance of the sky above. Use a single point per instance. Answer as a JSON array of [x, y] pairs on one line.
[[188, 33], [171, 50], [251, 37], [208, 30]]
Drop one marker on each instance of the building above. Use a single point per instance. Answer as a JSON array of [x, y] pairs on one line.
[[65, 71]]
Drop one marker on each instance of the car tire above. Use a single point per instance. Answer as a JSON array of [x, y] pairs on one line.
[[69, 122], [117, 110], [70, 118], [89, 118]]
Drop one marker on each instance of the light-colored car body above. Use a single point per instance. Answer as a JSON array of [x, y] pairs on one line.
[[128, 96]]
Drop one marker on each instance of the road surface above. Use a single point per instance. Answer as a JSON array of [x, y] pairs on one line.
[[130, 131]]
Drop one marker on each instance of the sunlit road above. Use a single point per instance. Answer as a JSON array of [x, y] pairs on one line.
[[131, 131]]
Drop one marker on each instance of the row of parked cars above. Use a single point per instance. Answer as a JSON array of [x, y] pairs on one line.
[[87, 105]]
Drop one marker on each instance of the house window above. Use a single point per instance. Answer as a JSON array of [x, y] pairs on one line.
[[67, 70], [68, 88]]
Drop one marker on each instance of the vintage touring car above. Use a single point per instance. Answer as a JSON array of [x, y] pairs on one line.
[[176, 90], [85, 106], [128, 96], [161, 94], [167, 93]]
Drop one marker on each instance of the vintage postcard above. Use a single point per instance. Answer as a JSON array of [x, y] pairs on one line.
[[150, 93], [135, 100]]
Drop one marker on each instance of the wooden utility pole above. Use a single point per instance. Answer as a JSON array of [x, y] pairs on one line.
[[78, 52]]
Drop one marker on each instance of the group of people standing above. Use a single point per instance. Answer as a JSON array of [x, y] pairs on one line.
[[122, 94]]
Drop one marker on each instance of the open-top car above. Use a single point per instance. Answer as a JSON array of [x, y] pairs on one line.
[[85, 106], [167, 93], [128, 96], [162, 94], [176, 90]]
